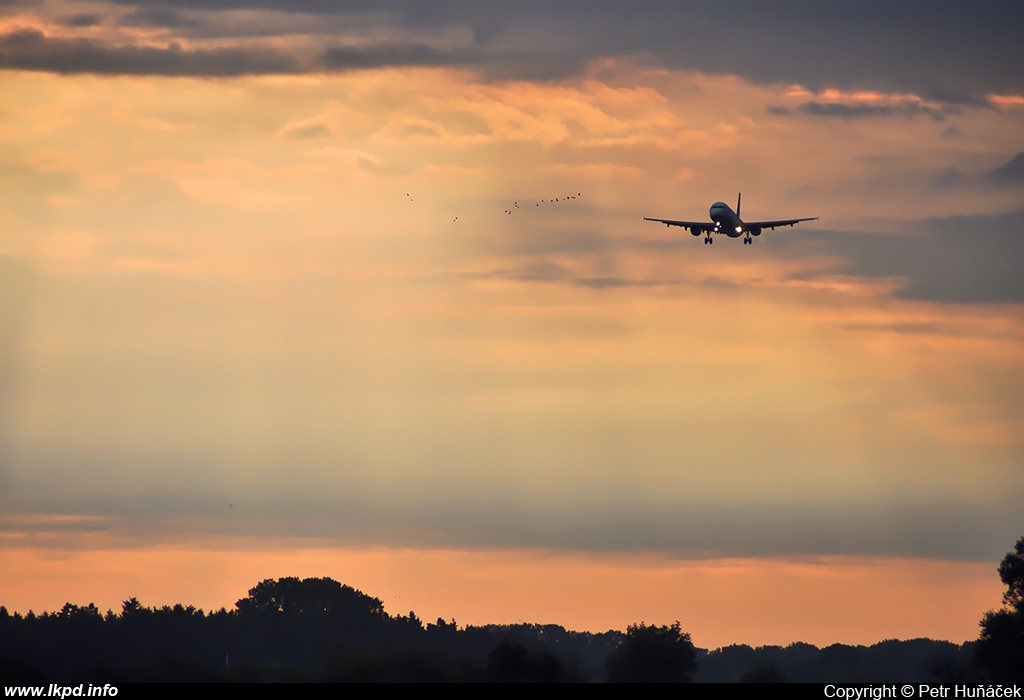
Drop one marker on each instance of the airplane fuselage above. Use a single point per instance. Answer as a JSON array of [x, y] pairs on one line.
[[726, 220]]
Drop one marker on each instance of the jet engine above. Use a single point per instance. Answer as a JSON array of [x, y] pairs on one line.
[[755, 230], [695, 230]]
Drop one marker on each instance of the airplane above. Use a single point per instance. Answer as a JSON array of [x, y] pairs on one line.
[[725, 220]]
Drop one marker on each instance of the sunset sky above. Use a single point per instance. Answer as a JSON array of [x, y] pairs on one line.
[[263, 311]]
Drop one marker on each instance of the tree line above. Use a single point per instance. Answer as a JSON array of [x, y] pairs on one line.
[[317, 629]]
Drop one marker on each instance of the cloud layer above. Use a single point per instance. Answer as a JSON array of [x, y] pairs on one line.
[[945, 51]]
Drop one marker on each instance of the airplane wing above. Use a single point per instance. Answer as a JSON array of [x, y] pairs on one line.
[[695, 227], [781, 222]]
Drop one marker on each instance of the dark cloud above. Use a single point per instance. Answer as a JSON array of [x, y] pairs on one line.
[[854, 111], [308, 131], [541, 271], [84, 20], [380, 55], [1009, 173], [158, 16], [482, 31], [912, 328], [944, 528], [551, 273], [956, 97], [975, 259], [31, 49], [950, 177], [951, 52], [609, 282], [23, 179]]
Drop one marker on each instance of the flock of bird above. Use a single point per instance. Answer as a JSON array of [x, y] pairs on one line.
[[515, 204], [547, 201]]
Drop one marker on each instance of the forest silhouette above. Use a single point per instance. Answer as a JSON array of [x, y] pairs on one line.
[[317, 629]]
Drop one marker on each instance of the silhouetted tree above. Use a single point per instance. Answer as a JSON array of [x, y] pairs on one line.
[[764, 674], [513, 663], [310, 596], [1000, 650], [130, 607], [653, 655]]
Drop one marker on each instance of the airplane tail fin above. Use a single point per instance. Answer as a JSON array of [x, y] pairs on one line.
[[739, 198]]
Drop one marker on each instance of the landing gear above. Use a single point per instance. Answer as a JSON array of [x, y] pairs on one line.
[[748, 241], [708, 240]]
